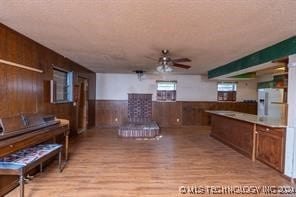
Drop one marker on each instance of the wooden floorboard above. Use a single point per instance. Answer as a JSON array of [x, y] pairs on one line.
[[101, 164]]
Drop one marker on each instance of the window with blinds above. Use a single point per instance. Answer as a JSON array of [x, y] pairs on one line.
[[166, 90], [62, 86], [226, 91]]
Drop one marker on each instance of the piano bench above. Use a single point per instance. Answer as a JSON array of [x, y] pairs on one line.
[[19, 163]]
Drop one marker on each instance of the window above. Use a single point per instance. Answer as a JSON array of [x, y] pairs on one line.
[[226, 91], [61, 86], [166, 90]]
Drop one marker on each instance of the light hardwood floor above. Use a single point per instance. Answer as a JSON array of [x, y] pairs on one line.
[[101, 164]]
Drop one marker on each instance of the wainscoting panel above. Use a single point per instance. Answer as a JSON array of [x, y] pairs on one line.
[[194, 113], [167, 114], [111, 113]]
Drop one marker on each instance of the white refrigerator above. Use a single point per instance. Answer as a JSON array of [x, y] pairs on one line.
[[271, 103]]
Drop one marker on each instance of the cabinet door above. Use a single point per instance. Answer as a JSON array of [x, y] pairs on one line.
[[270, 149]]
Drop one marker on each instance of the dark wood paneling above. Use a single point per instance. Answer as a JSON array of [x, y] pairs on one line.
[[27, 91], [194, 113], [18, 88], [91, 113], [167, 113], [24, 91], [235, 133], [107, 112]]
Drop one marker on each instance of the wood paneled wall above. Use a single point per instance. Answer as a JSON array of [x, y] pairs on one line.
[[167, 114], [28, 91]]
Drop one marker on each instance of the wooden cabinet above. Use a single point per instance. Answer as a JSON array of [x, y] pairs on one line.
[[265, 144], [270, 146], [235, 133]]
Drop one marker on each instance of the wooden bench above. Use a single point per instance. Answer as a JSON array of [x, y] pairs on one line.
[[19, 163]]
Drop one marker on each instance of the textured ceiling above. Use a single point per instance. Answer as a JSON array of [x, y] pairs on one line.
[[117, 36]]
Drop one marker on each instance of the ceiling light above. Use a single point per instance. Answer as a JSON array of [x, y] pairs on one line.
[[139, 73], [164, 68], [281, 69]]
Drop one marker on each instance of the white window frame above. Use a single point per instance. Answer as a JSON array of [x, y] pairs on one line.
[[166, 94], [227, 92]]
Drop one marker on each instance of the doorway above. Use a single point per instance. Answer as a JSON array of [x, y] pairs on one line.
[[82, 104]]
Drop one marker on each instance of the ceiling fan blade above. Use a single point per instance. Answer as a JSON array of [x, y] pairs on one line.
[[181, 66], [182, 60]]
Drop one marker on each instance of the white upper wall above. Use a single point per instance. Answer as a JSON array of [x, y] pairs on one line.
[[189, 87], [246, 90]]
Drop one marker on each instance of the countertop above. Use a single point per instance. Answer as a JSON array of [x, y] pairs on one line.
[[249, 118]]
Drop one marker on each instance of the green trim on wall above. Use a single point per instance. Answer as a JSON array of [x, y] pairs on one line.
[[279, 50]]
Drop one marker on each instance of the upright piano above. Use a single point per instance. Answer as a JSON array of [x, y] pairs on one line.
[[27, 130]]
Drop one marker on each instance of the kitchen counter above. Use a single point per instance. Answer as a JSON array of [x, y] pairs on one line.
[[249, 118], [258, 139]]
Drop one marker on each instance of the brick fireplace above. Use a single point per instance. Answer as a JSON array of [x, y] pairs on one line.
[[139, 107], [140, 117]]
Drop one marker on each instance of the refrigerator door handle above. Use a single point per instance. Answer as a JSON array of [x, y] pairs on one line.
[[266, 104]]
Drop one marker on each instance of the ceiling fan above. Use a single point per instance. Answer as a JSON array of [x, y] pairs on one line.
[[166, 62]]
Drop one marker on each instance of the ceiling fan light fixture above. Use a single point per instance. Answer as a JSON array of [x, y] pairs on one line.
[[166, 63], [164, 68]]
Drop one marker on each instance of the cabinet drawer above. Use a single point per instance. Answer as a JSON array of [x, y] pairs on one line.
[[275, 131]]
